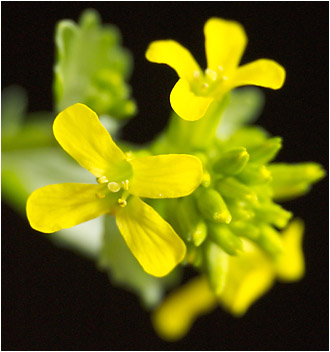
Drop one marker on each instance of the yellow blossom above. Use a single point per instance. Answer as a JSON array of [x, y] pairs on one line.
[[249, 276], [121, 180], [225, 42]]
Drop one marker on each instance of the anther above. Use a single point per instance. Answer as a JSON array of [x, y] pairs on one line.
[[205, 85], [197, 74], [212, 74], [113, 187], [122, 202], [125, 185], [102, 179], [129, 155]]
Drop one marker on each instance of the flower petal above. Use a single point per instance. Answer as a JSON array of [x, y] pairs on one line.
[[165, 176], [175, 55], [174, 317], [263, 73], [186, 103], [225, 42], [250, 276], [61, 206], [151, 239], [291, 264], [81, 134]]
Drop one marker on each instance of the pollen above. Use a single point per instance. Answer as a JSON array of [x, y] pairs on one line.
[[113, 187]]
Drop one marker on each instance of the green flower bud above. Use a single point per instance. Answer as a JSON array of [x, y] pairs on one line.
[[270, 240], [245, 229], [290, 181], [231, 162], [233, 189], [216, 265], [265, 152], [274, 214], [212, 206], [255, 174], [223, 237]]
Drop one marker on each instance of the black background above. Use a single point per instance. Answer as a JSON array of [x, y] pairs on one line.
[[55, 300]]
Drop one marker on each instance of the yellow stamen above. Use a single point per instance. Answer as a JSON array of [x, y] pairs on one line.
[[125, 185], [102, 179], [122, 202]]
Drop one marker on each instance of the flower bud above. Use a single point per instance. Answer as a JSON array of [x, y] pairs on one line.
[[223, 237], [255, 174], [212, 206], [231, 162], [216, 263], [265, 152]]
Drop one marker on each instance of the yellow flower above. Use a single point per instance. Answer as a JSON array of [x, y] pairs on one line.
[[225, 42], [250, 275], [121, 181]]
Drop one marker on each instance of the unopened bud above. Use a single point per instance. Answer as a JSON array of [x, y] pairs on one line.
[[216, 262], [231, 162], [265, 152], [223, 237], [255, 174], [270, 240], [212, 206], [233, 189]]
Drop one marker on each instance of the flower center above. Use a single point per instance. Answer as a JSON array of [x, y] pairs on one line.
[[114, 187], [209, 83]]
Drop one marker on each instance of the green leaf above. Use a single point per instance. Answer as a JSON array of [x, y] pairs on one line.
[[23, 171], [13, 107], [92, 67], [244, 107], [125, 271]]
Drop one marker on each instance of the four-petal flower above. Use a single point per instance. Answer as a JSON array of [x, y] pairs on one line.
[[225, 42], [121, 181]]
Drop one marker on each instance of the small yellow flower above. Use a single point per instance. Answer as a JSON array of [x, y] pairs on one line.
[[121, 181], [250, 275], [225, 42]]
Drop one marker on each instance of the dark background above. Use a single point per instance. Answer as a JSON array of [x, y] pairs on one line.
[[55, 300]]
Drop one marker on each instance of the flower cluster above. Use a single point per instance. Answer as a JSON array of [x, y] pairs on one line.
[[215, 196]]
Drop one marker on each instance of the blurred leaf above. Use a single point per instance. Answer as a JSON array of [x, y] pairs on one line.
[[13, 107], [92, 66], [125, 271], [23, 171], [244, 107]]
